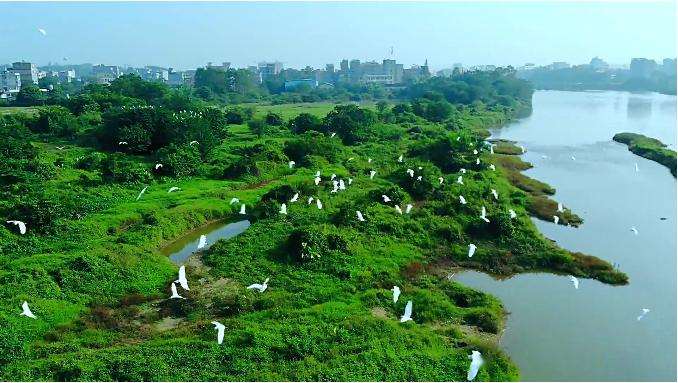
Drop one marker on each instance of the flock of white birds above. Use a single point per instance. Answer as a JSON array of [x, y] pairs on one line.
[[476, 357]]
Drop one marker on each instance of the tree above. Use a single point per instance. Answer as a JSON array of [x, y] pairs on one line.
[[350, 122], [56, 120], [133, 86], [258, 127], [30, 95], [274, 119], [305, 122]]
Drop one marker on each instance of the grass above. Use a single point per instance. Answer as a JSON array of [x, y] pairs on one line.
[[29, 110], [649, 148]]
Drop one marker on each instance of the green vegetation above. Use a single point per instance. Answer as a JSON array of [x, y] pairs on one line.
[[649, 148], [91, 269]]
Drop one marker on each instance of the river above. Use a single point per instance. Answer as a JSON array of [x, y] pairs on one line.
[[557, 333]]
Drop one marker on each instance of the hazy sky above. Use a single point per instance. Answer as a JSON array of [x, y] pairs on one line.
[[187, 35]]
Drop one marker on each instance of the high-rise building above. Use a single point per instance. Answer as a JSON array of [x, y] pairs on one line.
[[669, 66], [268, 69], [27, 71], [642, 67], [10, 82], [105, 74]]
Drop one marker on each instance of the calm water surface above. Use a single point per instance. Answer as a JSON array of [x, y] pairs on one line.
[[555, 332], [183, 247]]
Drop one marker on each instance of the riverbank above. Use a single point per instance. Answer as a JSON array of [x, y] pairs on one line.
[[649, 148]]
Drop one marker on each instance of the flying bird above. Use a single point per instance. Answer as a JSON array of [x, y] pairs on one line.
[[396, 293], [259, 287], [491, 149], [283, 209], [637, 170], [560, 207], [60, 147], [575, 282], [494, 193], [234, 200], [407, 316], [360, 216], [183, 282], [634, 230], [399, 210], [310, 199], [242, 209], [556, 219], [512, 213], [20, 224], [203, 242], [385, 197], [193, 142], [26, 311], [158, 166], [142, 192], [475, 152], [476, 362], [522, 149], [122, 143], [460, 180], [462, 200], [333, 134], [350, 159], [440, 179], [295, 197], [573, 159], [419, 178], [291, 164], [641, 316], [372, 173], [220, 331], [408, 208], [471, 250], [318, 203], [175, 294], [42, 31], [173, 188], [483, 212], [410, 172]]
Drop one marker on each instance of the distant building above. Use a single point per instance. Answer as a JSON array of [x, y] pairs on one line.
[[642, 67], [669, 66], [225, 66], [27, 71], [10, 82], [105, 74], [417, 73], [559, 65], [175, 79], [598, 64], [294, 84], [66, 76], [268, 69]]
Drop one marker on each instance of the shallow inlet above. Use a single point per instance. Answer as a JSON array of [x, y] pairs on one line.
[[179, 250]]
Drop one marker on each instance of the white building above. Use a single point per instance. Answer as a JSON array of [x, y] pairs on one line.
[[105, 74], [10, 82], [27, 71]]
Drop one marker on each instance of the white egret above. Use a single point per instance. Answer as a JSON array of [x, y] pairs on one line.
[[242, 209], [26, 311], [419, 178], [20, 224], [476, 362], [462, 200], [350, 159], [317, 181], [512, 213], [202, 242], [399, 210], [396, 293], [318, 204], [141, 192], [175, 294], [483, 212], [350, 181], [440, 180], [462, 170], [408, 208], [560, 207], [634, 230], [386, 198], [122, 143], [369, 160], [193, 142], [475, 152], [173, 188], [372, 173], [419, 167], [234, 200], [310, 199], [637, 170], [491, 149], [60, 147], [493, 167], [471, 250], [342, 186], [477, 161], [259, 287], [360, 216], [332, 135], [407, 316], [183, 282], [556, 219], [575, 282], [458, 138], [158, 166], [295, 197], [641, 316], [522, 149], [291, 164], [400, 159], [410, 172], [317, 174], [220, 331], [573, 159], [283, 209], [333, 177], [42, 31], [494, 193], [335, 187], [460, 180]]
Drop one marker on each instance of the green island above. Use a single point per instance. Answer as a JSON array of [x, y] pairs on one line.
[[649, 148], [91, 268]]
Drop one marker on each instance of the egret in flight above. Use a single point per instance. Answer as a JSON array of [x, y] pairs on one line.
[[122, 143], [408, 208], [407, 316], [173, 188], [295, 197], [637, 170], [21, 224], [471, 250], [634, 230], [491, 149], [560, 207], [142, 192], [495, 194], [372, 173], [332, 135], [158, 166], [410, 172], [202, 243], [310, 199], [242, 209], [575, 282], [220, 331], [522, 149], [291, 164], [193, 142], [259, 287], [283, 209], [175, 294], [475, 152], [27, 311], [462, 200], [476, 362], [441, 179], [512, 213], [360, 216], [556, 219], [399, 210], [419, 178], [396, 293], [641, 316], [42, 31], [60, 147], [183, 282], [386, 198]]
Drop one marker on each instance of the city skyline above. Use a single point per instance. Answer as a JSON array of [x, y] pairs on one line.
[[139, 34]]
